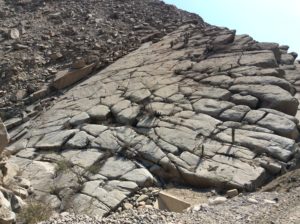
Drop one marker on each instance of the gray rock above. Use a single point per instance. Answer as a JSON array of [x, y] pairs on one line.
[[167, 91], [55, 140], [270, 96], [94, 129], [140, 176], [276, 146], [110, 199], [254, 116], [79, 119], [247, 100], [115, 167], [83, 158], [264, 59], [236, 113], [99, 112], [80, 140], [212, 92], [82, 203], [280, 125], [181, 139], [128, 115], [211, 107]]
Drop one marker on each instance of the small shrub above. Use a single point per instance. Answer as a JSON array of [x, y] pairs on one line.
[[35, 212]]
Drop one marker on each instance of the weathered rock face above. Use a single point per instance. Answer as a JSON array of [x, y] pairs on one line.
[[202, 106], [13, 188]]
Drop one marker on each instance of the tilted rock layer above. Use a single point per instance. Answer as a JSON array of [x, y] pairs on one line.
[[202, 106]]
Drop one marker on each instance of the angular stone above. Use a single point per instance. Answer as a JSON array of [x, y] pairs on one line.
[[94, 129], [128, 115], [276, 146], [82, 203], [223, 62], [108, 140], [247, 100], [66, 78], [212, 92], [161, 108], [254, 116], [190, 159], [265, 80], [99, 112], [117, 108], [79, 119], [115, 167], [211, 107], [80, 140], [235, 173], [94, 189], [181, 139], [167, 91], [270, 96], [140, 176], [281, 125], [39, 173], [83, 158], [236, 113], [55, 140], [264, 59]]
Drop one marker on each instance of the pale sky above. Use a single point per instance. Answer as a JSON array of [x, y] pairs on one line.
[[265, 20]]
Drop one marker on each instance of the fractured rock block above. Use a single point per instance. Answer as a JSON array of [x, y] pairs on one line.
[[66, 78]]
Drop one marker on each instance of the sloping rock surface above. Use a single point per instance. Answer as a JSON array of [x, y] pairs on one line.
[[202, 106]]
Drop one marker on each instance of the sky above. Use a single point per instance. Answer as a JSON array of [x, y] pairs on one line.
[[264, 20]]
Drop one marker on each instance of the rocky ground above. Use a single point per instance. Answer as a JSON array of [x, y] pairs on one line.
[[264, 208], [39, 38]]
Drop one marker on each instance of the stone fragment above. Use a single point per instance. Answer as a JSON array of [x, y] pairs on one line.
[[212, 92], [94, 129], [66, 78], [254, 116], [232, 193], [55, 140], [14, 33], [79, 119], [110, 199], [217, 200], [270, 96], [80, 140], [248, 100], [127, 206], [99, 112], [140, 176], [236, 113], [128, 116], [115, 167], [84, 158], [82, 203], [280, 125], [179, 138], [264, 59], [211, 107]]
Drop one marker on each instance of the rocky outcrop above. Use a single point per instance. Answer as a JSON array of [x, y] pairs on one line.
[[13, 188], [202, 106]]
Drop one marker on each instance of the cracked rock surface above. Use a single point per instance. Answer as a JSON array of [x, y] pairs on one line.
[[202, 107]]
